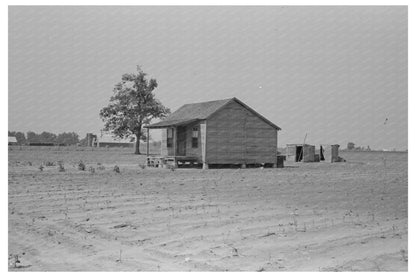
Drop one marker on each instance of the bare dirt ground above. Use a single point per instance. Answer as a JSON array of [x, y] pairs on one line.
[[305, 217]]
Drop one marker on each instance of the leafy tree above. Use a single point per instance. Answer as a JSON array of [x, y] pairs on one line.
[[132, 106], [20, 137], [32, 137], [67, 138], [46, 137]]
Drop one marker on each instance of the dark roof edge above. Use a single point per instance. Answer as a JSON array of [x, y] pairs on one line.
[[162, 125], [202, 102]]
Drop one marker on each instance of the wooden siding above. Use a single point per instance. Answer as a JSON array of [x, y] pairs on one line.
[[330, 152], [291, 153], [203, 136], [163, 147], [164, 150], [236, 135], [309, 153], [190, 151]]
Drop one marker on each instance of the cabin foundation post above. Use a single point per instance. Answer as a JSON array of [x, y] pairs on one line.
[[243, 166], [274, 165], [205, 166]]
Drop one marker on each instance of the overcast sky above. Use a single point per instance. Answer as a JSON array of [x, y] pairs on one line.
[[335, 73]]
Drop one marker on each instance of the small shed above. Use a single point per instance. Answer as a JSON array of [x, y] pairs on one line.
[[329, 153], [91, 139], [300, 152], [218, 132]]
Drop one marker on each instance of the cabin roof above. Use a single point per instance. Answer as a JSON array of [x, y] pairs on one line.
[[200, 111]]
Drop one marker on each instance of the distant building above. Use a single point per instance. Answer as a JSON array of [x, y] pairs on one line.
[[108, 140], [12, 140], [91, 139]]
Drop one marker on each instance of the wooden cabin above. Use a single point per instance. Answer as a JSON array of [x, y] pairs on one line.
[[218, 132]]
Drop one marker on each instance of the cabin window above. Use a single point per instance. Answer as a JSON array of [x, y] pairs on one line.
[[195, 137], [169, 140]]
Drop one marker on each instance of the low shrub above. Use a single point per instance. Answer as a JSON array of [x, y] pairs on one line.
[[81, 166], [61, 167], [49, 163]]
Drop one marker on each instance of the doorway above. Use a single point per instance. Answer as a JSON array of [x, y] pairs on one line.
[[181, 141], [299, 153]]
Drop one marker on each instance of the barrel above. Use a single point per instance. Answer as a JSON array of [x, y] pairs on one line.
[[280, 161]]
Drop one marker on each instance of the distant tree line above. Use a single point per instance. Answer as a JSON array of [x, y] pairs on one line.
[[70, 138]]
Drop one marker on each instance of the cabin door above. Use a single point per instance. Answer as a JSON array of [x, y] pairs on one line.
[[299, 153], [181, 141]]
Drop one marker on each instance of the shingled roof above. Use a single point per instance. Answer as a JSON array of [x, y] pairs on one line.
[[199, 111]]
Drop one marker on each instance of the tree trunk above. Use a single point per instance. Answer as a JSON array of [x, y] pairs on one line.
[[137, 147]]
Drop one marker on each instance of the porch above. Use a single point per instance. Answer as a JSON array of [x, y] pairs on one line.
[[171, 161], [181, 145]]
